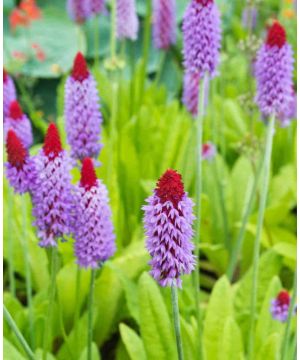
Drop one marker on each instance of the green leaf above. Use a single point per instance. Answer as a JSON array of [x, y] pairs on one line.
[[189, 339], [95, 353], [218, 310], [156, 328], [286, 250], [266, 325], [10, 352], [133, 343], [271, 348], [231, 343]]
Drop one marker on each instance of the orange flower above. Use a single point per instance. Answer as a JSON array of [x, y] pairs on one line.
[[30, 8], [289, 13], [24, 13], [18, 18]]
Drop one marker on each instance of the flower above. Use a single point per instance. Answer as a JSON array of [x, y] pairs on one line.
[[52, 198], [249, 17], [93, 233], [20, 168], [96, 6], [78, 10], [164, 23], [280, 306], [20, 123], [291, 111], [201, 37], [127, 20], [24, 14], [168, 222], [82, 111], [191, 91], [9, 92], [274, 73], [208, 151]]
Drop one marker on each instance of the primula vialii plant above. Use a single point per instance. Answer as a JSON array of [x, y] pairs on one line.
[[168, 224], [9, 92], [52, 196], [19, 122], [82, 111], [127, 19]]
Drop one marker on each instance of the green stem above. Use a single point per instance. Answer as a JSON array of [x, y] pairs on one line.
[[240, 238], [90, 315], [161, 64], [199, 134], [113, 37], [18, 334], [289, 319], [176, 322], [77, 308], [96, 41], [261, 213], [11, 267], [27, 272], [146, 47], [51, 296]]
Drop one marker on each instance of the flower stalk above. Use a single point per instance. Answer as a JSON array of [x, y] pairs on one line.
[[175, 308], [261, 213], [90, 314]]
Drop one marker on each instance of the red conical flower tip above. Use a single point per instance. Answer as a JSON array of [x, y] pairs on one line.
[[284, 298], [15, 110], [80, 70], [16, 152], [52, 144], [170, 187], [88, 175], [276, 35], [5, 75], [204, 2]]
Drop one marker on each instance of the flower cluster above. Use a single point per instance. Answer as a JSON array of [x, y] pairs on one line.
[[20, 168], [208, 151], [23, 14], [52, 195], [168, 224], [9, 92], [93, 232], [274, 73], [127, 20], [280, 306], [164, 23], [82, 111], [19, 122], [81, 10]]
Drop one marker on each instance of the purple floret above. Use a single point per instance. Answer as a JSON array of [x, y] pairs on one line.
[[9, 92], [127, 20]]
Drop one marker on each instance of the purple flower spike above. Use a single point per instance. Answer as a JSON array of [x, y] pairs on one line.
[[20, 123], [127, 20], [291, 112], [93, 233], [96, 6], [249, 17], [52, 198], [82, 112], [201, 37], [168, 223], [191, 92], [208, 151], [78, 10], [164, 23], [9, 92], [274, 73], [280, 306], [20, 168]]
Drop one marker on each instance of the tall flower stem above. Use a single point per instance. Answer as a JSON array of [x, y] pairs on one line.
[[27, 271], [199, 134], [90, 314], [77, 307], [289, 319], [51, 296], [96, 41], [113, 29], [11, 267], [176, 322], [240, 238], [161, 64], [18, 333], [261, 213]]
